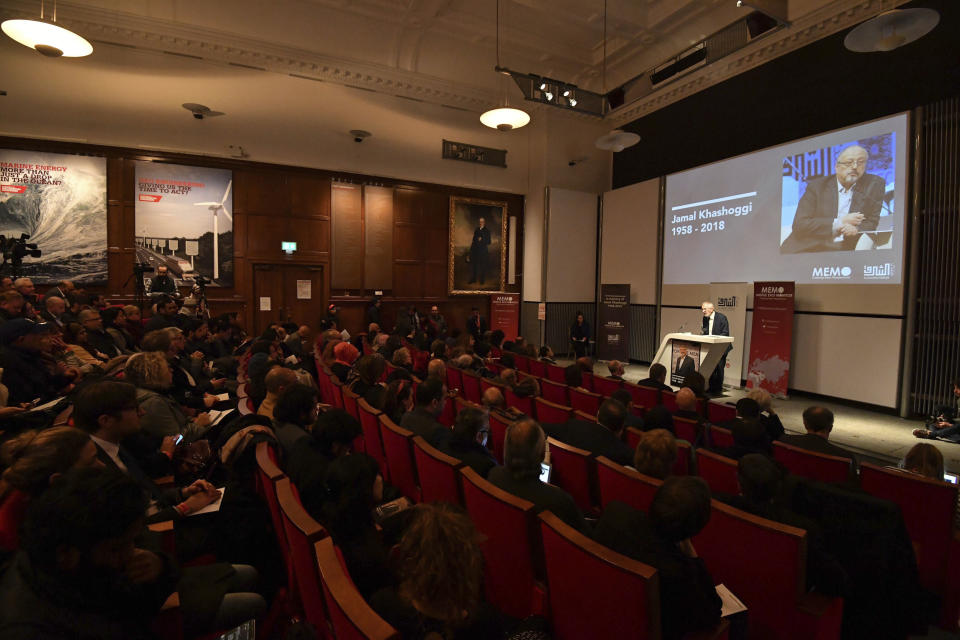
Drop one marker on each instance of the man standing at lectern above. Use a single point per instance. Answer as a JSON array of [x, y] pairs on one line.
[[715, 324]]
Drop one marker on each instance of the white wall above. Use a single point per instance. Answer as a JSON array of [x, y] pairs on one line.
[[628, 252], [572, 242]]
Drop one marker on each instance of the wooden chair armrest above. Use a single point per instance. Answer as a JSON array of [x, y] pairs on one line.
[[172, 602], [817, 604], [164, 482], [161, 527], [719, 632]]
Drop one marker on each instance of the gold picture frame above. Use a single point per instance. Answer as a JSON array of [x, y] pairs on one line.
[[481, 267]]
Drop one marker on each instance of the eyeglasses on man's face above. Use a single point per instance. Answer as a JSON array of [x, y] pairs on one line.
[[848, 164]]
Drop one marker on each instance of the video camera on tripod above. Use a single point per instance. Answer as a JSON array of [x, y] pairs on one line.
[[16, 249]]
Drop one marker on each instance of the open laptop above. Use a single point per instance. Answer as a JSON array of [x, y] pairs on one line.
[[246, 631]]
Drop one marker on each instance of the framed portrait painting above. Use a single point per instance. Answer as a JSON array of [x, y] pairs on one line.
[[478, 257]]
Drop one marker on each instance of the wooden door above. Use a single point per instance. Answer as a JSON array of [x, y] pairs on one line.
[[287, 293]]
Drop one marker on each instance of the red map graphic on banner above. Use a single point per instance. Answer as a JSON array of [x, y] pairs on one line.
[[771, 336]]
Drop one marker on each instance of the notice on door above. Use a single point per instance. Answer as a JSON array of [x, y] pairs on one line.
[[304, 290], [264, 303]]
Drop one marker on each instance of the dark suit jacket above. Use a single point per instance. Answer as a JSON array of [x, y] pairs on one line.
[[593, 437], [476, 327], [472, 454], [687, 366], [688, 598], [653, 384], [481, 240], [817, 444], [817, 209], [545, 497], [422, 423], [721, 326]]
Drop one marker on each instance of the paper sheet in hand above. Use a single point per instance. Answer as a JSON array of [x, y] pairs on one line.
[[731, 603], [217, 416], [222, 396], [213, 507], [45, 405]]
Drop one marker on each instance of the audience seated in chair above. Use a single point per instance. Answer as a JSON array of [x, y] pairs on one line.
[[658, 417], [332, 437], [525, 447], [440, 571], [437, 368], [656, 378], [616, 370], [275, 382], [23, 345], [163, 416], [656, 454], [603, 438], [749, 436], [296, 411], [345, 355], [661, 539], [818, 421], [367, 384], [768, 418], [467, 441], [399, 400], [431, 397], [623, 397]]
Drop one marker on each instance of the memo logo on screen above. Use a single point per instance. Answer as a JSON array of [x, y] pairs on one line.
[[878, 271], [831, 273]]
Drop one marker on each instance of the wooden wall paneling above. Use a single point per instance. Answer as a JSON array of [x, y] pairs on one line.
[[267, 283], [312, 236], [434, 209], [309, 195], [346, 257], [264, 233], [309, 310], [378, 238], [408, 243], [261, 191], [435, 279], [407, 279], [406, 206]]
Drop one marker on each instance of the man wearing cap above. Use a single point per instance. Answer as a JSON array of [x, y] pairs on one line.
[[22, 343]]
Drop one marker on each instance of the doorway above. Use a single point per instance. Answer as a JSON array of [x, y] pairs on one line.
[[287, 293]]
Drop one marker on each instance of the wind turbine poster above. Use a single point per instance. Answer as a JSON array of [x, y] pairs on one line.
[[60, 202], [184, 221]]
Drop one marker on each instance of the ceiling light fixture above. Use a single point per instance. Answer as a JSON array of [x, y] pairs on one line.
[[573, 102], [504, 117], [617, 140], [891, 29], [46, 37]]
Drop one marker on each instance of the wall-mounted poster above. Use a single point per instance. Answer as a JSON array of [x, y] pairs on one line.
[[478, 260], [60, 202], [184, 221]]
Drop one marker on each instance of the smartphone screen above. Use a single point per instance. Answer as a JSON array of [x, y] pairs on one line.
[[179, 438]]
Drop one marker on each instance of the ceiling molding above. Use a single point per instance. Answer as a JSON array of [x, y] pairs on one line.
[[834, 17]]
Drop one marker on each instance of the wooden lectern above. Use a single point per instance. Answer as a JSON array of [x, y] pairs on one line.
[[712, 349]]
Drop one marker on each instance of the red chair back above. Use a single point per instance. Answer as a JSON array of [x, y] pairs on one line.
[[643, 396], [587, 380], [336, 391], [498, 433], [574, 471], [605, 386], [686, 429], [764, 564], [684, 459], [720, 438], [928, 508], [350, 403], [471, 386], [449, 414], [486, 383], [398, 449], [302, 533], [555, 373], [350, 616], [586, 417], [511, 544], [370, 425], [538, 368], [633, 437], [550, 412], [718, 412], [595, 592], [585, 401], [669, 400], [522, 362], [720, 472], [454, 379], [817, 466], [555, 392], [616, 482], [524, 405], [268, 473], [439, 474]]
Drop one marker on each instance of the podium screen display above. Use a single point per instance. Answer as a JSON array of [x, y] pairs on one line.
[[823, 210]]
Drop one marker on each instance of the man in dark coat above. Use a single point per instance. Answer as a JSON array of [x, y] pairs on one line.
[[478, 252]]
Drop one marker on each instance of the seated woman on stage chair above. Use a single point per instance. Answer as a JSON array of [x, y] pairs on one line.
[[580, 335]]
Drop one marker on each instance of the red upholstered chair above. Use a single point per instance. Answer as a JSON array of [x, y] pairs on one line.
[[669, 400], [616, 482], [605, 386], [486, 383], [684, 459], [764, 564], [720, 438], [350, 403], [718, 412], [556, 373], [449, 414], [643, 396], [550, 412], [454, 380], [398, 449], [538, 368], [336, 389], [719, 471], [633, 437], [585, 400], [439, 474], [498, 432], [574, 471], [471, 386], [372, 443], [522, 362], [243, 406], [351, 618], [587, 381], [511, 549], [387, 370], [302, 533], [817, 466], [586, 417], [686, 429], [460, 403], [268, 473], [595, 592], [928, 508], [555, 392], [524, 405]]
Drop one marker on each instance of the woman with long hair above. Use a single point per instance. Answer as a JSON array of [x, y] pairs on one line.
[[162, 416]]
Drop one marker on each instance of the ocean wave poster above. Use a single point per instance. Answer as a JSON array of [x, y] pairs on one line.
[[60, 202], [184, 221]]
